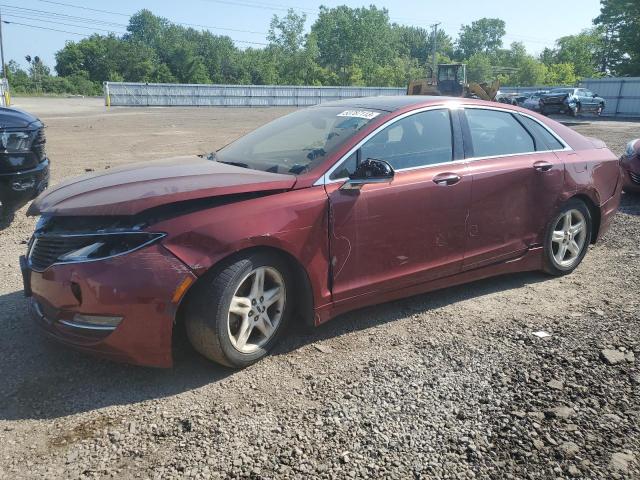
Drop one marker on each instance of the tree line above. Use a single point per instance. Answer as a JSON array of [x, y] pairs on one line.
[[345, 46]]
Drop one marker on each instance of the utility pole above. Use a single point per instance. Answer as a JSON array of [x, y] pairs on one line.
[[434, 60], [4, 69]]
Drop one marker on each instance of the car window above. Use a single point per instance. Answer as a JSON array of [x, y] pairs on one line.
[[346, 168], [497, 133], [417, 140], [544, 139], [587, 93]]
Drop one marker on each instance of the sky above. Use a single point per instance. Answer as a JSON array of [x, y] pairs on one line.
[[248, 20]]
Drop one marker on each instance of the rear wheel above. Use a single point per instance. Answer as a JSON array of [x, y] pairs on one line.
[[568, 237], [235, 316]]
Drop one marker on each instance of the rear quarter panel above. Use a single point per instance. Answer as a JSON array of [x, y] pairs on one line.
[[590, 167]]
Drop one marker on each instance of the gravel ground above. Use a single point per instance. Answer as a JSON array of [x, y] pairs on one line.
[[451, 384]]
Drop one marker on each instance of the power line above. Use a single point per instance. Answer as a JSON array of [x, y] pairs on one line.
[[45, 28], [84, 8], [13, 15], [210, 27]]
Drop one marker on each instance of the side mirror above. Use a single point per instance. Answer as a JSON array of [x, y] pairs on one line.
[[369, 171], [595, 95]]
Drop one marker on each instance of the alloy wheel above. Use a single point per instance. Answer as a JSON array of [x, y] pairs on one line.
[[256, 309], [568, 239]]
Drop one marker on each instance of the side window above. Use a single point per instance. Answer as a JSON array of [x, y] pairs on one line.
[[497, 133], [346, 168], [417, 140], [544, 139]]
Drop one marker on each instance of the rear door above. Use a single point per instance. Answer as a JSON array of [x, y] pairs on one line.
[[516, 184], [389, 236]]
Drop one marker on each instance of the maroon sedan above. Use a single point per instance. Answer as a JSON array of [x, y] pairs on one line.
[[630, 162], [322, 211]]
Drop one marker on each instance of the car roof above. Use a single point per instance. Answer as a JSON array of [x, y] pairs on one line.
[[389, 103]]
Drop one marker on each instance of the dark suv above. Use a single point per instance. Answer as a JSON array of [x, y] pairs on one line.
[[24, 166]]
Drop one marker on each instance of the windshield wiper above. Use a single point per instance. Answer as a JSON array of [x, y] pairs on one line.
[[236, 164], [214, 158]]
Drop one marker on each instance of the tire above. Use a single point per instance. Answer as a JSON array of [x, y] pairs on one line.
[[215, 330], [599, 110], [574, 111], [579, 239]]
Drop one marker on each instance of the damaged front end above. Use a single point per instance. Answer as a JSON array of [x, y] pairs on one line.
[[105, 285]]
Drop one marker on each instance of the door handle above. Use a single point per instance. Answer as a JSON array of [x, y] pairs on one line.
[[542, 166], [446, 179]]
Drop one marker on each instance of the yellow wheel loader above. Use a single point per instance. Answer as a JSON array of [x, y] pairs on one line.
[[451, 81]]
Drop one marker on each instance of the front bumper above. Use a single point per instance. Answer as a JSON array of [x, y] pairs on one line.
[[631, 175], [139, 287], [19, 188]]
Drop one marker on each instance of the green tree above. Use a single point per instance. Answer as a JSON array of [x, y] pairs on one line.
[[620, 20], [482, 36], [479, 68], [561, 74], [353, 42], [582, 50]]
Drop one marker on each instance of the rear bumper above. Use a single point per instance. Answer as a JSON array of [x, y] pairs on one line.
[[138, 287], [608, 210], [19, 188]]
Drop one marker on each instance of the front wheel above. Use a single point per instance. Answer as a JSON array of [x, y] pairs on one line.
[[236, 314], [567, 239], [599, 110]]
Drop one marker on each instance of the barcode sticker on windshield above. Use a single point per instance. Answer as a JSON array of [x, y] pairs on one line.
[[359, 114]]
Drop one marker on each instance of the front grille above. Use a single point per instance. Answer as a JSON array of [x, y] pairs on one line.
[[635, 177], [38, 146], [46, 249]]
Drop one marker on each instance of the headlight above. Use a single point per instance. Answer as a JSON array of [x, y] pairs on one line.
[[17, 142], [630, 150], [48, 249]]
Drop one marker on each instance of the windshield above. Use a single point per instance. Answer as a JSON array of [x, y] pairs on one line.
[[298, 142], [562, 90]]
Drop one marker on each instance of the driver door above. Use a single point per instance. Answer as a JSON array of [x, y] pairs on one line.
[[388, 236]]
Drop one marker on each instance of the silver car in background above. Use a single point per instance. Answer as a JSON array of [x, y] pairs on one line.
[[533, 101]]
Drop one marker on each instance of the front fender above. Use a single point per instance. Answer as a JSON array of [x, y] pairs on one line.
[[295, 222]]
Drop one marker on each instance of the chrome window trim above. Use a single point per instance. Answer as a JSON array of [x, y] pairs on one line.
[[325, 180]]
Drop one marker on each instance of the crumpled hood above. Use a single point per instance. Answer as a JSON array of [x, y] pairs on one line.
[[130, 189]]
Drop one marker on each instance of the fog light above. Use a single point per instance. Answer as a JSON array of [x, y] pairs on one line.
[[93, 322]]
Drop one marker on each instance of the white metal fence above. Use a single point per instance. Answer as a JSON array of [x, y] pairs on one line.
[[622, 95], [162, 94]]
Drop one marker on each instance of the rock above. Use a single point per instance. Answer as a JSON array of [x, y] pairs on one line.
[[612, 357], [630, 357], [569, 449], [323, 348], [555, 384], [620, 461], [560, 412], [538, 444], [573, 471]]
